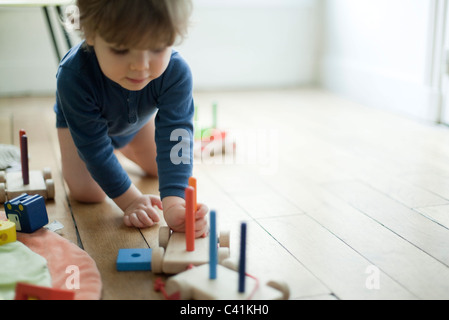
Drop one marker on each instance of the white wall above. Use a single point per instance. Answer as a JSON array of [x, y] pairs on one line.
[[27, 62], [378, 53], [232, 44], [253, 44]]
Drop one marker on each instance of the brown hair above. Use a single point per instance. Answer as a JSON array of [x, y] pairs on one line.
[[135, 23]]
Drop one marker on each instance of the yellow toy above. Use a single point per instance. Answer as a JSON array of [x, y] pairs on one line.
[[7, 232]]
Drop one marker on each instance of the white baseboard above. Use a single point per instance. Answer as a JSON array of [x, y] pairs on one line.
[[26, 78], [380, 88]]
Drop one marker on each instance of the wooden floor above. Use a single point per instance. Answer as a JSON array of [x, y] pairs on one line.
[[342, 201]]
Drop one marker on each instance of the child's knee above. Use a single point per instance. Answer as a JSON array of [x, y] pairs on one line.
[[87, 196]]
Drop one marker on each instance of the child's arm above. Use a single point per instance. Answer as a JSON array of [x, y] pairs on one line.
[[174, 141]]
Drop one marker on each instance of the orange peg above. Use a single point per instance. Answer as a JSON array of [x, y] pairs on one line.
[[192, 183]]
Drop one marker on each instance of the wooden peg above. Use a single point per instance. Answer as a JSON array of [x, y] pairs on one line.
[[213, 256], [242, 260], [192, 183], [24, 158], [190, 219]]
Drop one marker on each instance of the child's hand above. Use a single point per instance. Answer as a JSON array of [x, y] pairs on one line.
[[141, 212], [175, 216]]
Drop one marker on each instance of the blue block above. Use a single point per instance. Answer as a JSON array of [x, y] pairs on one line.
[[134, 260], [28, 212]]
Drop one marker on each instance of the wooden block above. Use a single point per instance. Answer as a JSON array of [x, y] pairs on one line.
[[177, 258], [195, 284], [40, 183], [134, 260]]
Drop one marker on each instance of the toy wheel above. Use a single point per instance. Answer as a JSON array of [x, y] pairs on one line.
[[282, 287], [164, 236], [49, 183], [157, 257], [223, 253], [2, 193], [179, 286], [46, 172], [2, 176], [225, 239]]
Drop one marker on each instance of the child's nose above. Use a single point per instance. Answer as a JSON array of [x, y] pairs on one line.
[[141, 61]]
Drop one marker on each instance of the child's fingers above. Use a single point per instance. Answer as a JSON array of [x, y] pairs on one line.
[[131, 220], [140, 220], [201, 224], [201, 228], [201, 212], [152, 213], [127, 221], [156, 201]]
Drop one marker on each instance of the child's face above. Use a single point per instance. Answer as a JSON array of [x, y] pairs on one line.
[[133, 69]]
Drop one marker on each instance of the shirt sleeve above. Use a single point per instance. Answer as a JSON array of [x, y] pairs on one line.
[[174, 129], [76, 98]]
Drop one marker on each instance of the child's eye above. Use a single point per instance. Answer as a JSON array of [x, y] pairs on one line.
[[119, 51], [157, 51]]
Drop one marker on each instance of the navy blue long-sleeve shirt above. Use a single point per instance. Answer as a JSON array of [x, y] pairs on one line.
[[103, 116]]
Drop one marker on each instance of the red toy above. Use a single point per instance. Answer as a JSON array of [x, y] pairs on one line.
[[25, 291]]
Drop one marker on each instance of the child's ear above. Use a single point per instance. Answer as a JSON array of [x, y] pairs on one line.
[[90, 40]]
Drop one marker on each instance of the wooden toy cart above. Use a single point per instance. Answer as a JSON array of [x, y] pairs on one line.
[[226, 281], [171, 256], [16, 183], [11, 184], [194, 284]]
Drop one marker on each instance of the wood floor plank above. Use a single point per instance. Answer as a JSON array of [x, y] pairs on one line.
[[264, 255], [409, 194], [437, 183], [248, 189], [340, 267], [427, 235], [396, 143], [341, 166], [412, 268], [439, 214]]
